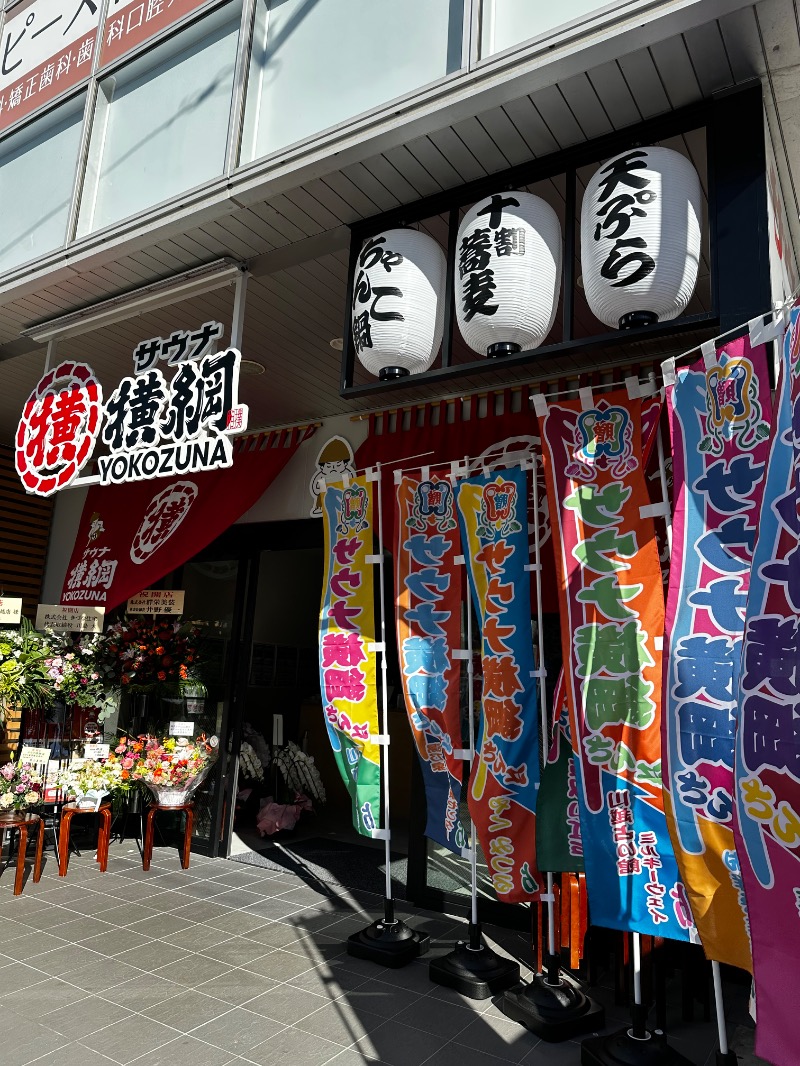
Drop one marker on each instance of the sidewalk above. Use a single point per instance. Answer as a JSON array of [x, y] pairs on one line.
[[225, 963]]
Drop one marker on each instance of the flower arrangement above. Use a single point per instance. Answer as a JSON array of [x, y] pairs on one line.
[[300, 773], [249, 763], [166, 766], [23, 674], [81, 672], [20, 787], [93, 780], [156, 655]]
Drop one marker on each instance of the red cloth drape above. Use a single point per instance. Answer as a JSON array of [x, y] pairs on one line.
[[131, 535]]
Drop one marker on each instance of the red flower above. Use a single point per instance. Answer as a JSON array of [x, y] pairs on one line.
[[162, 676]]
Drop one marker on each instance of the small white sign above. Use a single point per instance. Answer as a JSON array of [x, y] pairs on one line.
[[181, 729], [10, 610], [34, 755], [96, 751], [65, 619], [157, 601]]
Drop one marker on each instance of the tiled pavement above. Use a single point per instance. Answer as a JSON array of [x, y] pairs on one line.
[[225, 963]]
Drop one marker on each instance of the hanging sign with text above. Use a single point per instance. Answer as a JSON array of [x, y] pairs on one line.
[[612, 628], [767, 759], [719, 426], [10, 610], [428, 633], [505, 772], [157, 601], [130, 23], [64, 619], [150, 428], [347, 647]]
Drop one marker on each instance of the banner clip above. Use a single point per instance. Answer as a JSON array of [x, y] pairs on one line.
[[668, 372], [539, 673], [425, 473], [539, 404], [708, 349], [633, 387], [467, 754], [658, 643], [381, 740], [346, 480], [381, 834], [547, 897], [654, 510], [459, 560], [533, 568], [378, 645], [586, 398], [460, 653], [374, 559], [398, 476], [373, 475]]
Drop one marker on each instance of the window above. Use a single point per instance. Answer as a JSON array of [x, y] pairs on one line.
[[316, 63], [37, 173], [508, 22], [161, 122]]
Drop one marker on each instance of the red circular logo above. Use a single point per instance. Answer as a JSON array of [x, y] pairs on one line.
[[58, 429], [164, 514]]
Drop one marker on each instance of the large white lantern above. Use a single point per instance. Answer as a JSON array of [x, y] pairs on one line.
[[397, 314], [507, 273], [640, 237]]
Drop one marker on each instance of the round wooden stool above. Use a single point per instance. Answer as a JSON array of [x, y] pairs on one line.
[[68, 812], [147, 851], [22, 822]]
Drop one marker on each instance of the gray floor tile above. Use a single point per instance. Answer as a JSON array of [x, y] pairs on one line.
[[237, 986], [286, 1004], [161, 925], [433, 1016], [330, 980], [187, 1051], [205, 911], [47, 995], [15, 976], [355, 1057], [76, 928], [273, 935], [401, 1045], [272, 908], [239, 897], [341, 1022], [35, 1042], [192, 970], [200, 937], [238, 1031], [239, 922], [46, 921], [205, 889], [72, 1054], [567, 1054], [95, 903], [142, 992], [116, 941], [13, 930], [78, 1020], [188, 1010], [279, 965], [154, 956], [497, 1036], [101, 974], [236, 951], [295, 1047], [382, 998], [129, 1039], [35, 943]]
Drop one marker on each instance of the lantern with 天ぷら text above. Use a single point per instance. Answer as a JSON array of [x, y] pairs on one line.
[[397, 313], [507, 273], [640, 237]]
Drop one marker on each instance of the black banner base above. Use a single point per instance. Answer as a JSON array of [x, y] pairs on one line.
[[727, 1059], [554, 1012], [389, 943], [476, 973], [622, 1049]]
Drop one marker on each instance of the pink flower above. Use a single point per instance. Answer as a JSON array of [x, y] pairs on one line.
[[8, 771]]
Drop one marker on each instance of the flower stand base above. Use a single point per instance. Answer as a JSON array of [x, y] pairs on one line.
[[68, 812], [149, 830], [22, 822]]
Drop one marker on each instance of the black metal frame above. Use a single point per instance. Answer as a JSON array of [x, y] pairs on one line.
[[737, 215]]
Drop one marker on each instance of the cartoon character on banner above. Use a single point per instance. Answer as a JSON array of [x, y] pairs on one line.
[[334, 461]]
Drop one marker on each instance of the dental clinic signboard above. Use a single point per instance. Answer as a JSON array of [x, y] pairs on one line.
[[148, 427]]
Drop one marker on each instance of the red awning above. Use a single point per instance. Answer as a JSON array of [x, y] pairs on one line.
[[131, 535]]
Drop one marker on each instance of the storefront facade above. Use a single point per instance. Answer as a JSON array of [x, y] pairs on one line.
[[172, 166]]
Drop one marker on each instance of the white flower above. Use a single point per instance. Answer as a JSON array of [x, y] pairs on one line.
[[7, 800], [31, 797]]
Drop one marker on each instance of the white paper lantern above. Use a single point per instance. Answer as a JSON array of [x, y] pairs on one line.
[[508, 273], [397, 314], [640, 237]]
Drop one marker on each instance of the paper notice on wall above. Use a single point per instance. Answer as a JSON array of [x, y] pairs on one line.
[[157, 601], [64, 619]]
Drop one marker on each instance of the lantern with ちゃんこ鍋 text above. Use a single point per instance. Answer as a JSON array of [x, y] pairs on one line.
[[641, 237], [397, 312], [507, 273]]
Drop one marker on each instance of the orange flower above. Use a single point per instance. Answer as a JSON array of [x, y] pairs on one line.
[[162, 675]]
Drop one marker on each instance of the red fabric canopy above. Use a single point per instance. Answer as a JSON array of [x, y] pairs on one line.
[[127, 534]]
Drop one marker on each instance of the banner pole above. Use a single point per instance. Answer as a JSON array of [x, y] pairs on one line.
[[387, 941], [553, 1005], [475, 935], [723, 1056]]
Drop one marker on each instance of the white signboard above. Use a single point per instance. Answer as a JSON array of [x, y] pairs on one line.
[[157, 601], [34, 755], [10, 610], [181, 729], [96, 751], [64, 619]]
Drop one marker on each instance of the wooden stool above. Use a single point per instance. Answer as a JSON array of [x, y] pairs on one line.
[[147, 851], [22, 822], [68, 812]]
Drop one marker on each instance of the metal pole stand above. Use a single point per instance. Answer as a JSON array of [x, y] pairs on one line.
[[637, 1046], [388, 941]]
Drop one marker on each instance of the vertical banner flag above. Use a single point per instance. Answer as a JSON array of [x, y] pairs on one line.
[[428, 632], [346, 647], [505, 771], [612, 628], [559, 847], [768, 734], [720, 441]]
